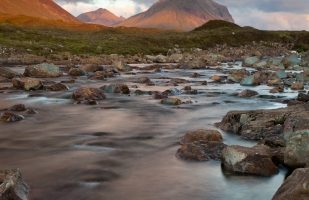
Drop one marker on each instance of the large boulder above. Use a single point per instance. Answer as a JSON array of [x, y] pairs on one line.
[[295, 187], [297, 149], [253, 161], [27, 83], [116, 88], [88, 94], [201, 145], [43, 70], [291, 60], [12, 185], [8, 73]]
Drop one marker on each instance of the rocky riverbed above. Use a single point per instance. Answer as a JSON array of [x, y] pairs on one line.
[[93, 131]]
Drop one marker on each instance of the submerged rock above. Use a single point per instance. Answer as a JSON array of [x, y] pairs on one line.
[[10, 117], [12, 185], [171, 101], [18, 108], [295, 187], [116, 88], [201, 145], [88, 94], [248, 93], [43, 70], [253, 161], [27, 83]]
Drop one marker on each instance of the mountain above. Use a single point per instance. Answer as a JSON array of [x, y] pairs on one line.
[[100, 16], [44, 9], [179, 15]]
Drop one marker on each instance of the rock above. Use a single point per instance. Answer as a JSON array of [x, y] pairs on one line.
[[76, 72], [303, 97], [248, 93], [10, 117], [88, 94], [195, 75], [176, 81], [261, 64], [27, 83], [43, 70], [172, 92], [116, 88], [278, 89], [145, 80], [250, 61], [101, 75], [297, 86], [237, 75], [171, 101], [297, 150], [201, 135], [216, 78], [18, 108], [201, 151], [253, 161], [160, 95], [295, 187], [57, 87], [249, 81], [12, 185], [274, 82], [8, 73], [121, 66], [175, 58], [291, 60], [281, 74], [91, 68]]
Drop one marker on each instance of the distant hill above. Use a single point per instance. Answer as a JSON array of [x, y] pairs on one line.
[[182, 15], [100, 16], [217, 24], [44, 9]]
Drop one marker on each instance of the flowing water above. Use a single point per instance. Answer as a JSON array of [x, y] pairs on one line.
[[124, 148]]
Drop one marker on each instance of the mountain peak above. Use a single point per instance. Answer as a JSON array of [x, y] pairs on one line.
[[179, 15], [100, 16]]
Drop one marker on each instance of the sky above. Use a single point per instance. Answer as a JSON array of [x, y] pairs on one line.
[[262, 14]]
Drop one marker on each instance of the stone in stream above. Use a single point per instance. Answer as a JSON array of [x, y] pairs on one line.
[[291, 60], [76, 72], [249, 81], [57, 87], [91, 68], [43, 70], [248, 93], [216, 78], [278, 89], [116, 88], [145, 80], [8, 73], [237, 75], [18, 108], [10, 117], [297, 86], [88, 94], [250, 61], [171, 101], [303, 97], [252, 161], [295, 187], [101, 75], [12, 185], [201, 145], [27, 83], [159, 95]]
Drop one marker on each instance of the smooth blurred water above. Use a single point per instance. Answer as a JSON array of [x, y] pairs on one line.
[[124, 148]]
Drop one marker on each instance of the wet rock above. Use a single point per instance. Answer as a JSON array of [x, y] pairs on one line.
[[253, 161], [249, 81], [43, 70], [76, 72], [237, 75], [176, 81], [250, 61], [12, 185], [295, 187], [274, 82], [116, 88], [57, 87], [281, 74], [297, 150], [10, 117], [297, 86], [91, 68], [8, 73], [201, 135], [172, 92], [101, 75], [140, 92], [88, 94], [248, 93], [278, 89], [195, 75], [159, 95], [303, 97], [189, 90], [175, 58], [121, 66], [145, 80], [31, 111], [171, 101], [291, 60], [216, 78], [27, 83], [18, 108]]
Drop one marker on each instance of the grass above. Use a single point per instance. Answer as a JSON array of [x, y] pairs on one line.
[[94, 40]]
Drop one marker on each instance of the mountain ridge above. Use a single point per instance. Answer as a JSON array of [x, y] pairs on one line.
[[100, 16]]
